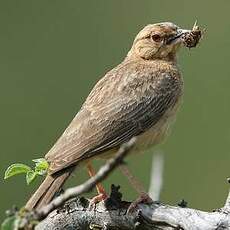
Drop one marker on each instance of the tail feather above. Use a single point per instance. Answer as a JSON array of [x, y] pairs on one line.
[[54, 188], [47, 190]]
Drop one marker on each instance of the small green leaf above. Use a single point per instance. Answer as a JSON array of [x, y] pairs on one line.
[[30, 176], [9, 223], [41, 166], [15, 169]]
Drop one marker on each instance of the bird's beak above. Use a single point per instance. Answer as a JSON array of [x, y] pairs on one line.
[[178, 37]]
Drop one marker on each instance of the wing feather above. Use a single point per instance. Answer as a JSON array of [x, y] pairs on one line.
[[109, 118]]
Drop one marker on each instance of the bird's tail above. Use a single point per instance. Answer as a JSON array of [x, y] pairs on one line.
[[47, 190]]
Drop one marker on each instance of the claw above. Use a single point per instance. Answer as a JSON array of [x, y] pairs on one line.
[[96, 199], [144, 198]]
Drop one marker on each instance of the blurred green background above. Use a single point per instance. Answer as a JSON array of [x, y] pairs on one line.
[[53, 52]]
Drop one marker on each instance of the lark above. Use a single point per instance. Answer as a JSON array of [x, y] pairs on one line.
[[138, 98]]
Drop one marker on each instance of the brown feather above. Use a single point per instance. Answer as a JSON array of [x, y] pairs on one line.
[[139, 98], [125, 103]]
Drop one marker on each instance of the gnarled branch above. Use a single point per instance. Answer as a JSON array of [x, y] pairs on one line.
[[112, 214]]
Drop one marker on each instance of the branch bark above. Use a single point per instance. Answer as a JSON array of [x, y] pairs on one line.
[[113, 215], [113, 212]]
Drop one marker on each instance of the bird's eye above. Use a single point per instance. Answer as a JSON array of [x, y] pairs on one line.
[[156, 38]]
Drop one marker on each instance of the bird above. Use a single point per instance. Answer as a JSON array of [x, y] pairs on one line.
[[138, 98]]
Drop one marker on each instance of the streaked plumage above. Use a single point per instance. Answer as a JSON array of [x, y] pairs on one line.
[[128, 101], [139, 98]]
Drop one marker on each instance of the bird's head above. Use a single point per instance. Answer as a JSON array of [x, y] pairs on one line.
[[158, 41]]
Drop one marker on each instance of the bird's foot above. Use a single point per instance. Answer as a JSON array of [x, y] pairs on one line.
[[144, 198], [96, 199]]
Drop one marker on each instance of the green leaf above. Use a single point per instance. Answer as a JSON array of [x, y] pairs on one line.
[[30, 176], [41, 166], [15, 169], [39, 160], [9, 223]]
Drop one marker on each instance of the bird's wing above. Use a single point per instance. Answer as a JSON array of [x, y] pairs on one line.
[[122, 105]]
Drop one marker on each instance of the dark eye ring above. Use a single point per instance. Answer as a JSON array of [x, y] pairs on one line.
[[156, 38]]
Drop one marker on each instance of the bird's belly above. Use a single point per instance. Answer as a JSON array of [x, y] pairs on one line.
[[153, 136], [158, 132]]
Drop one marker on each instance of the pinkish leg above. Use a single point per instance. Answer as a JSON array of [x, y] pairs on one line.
[[143, 196], [100, 189]]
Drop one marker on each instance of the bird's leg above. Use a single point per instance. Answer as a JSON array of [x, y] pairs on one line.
[[100, 189], [137, 185]]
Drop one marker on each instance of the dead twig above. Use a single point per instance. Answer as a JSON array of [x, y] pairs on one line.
[[156, 179]]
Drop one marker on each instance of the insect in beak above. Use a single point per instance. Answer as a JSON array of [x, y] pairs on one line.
[[190, 38]]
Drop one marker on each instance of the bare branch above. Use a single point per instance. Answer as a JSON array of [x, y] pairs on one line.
[[74, 215], [89, 184], [156, 180], [112, 214]]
